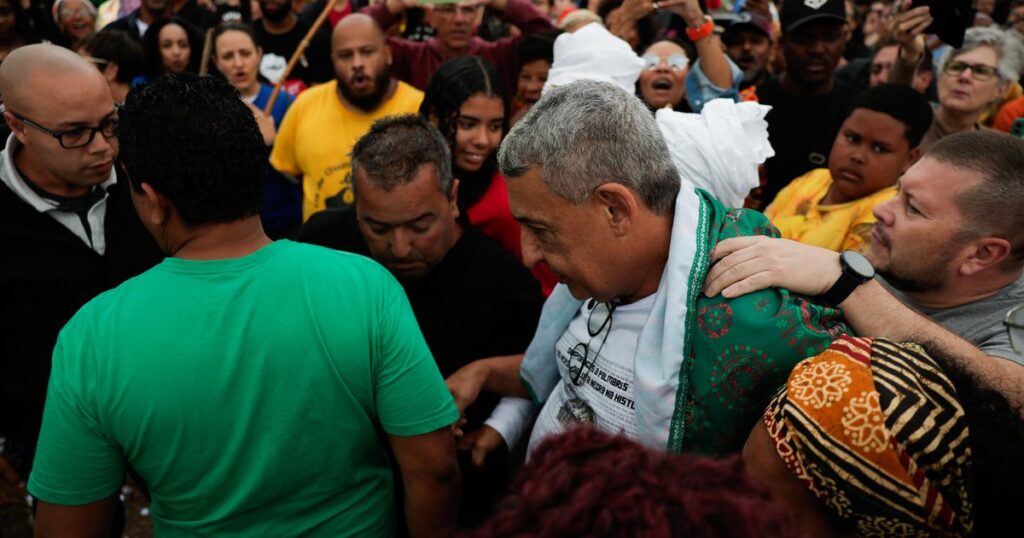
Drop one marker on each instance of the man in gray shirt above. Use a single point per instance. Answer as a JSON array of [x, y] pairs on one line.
[[950, 245], [979, 322]]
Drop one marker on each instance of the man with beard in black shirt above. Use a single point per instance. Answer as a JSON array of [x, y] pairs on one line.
[[808, 103], [471, 298], [279, 33]]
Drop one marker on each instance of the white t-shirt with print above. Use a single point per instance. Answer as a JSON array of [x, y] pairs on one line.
[[602, 394]]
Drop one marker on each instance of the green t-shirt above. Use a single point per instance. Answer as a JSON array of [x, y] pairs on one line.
[[248, 393]]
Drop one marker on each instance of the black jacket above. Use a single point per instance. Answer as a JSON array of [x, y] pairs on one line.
[[47, 274]]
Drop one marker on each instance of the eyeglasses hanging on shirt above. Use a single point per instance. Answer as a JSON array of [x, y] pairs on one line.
[[599, 320]]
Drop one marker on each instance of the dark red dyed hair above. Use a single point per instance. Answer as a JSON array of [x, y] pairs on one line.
[[587, 483]]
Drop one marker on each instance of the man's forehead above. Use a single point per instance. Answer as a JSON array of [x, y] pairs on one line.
[[935, 181]]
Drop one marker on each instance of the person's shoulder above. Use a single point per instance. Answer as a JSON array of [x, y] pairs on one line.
[[406, 94], [317, 95], [497, 263], [335, 228], [816, 179], [736, 222]]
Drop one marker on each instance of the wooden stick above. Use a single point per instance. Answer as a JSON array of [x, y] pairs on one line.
[[204, 65], [298, 54]]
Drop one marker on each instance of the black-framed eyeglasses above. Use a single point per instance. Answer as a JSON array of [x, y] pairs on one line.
[[980, 72], [78, 137], [1014, 323], [598, 320]]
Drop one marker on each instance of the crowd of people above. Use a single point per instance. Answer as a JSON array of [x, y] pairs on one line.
[[512, 267]]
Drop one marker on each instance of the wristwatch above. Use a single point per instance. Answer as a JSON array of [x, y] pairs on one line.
[[856, 270]]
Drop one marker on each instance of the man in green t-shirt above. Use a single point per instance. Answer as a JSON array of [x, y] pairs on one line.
[[252, 385]]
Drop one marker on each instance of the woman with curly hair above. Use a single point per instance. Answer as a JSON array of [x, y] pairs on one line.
[[467, 101], [588, 483]]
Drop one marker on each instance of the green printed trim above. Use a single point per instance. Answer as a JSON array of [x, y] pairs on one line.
[[529, 389], [696, 285]]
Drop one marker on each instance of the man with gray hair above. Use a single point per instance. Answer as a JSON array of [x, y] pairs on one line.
[[471, 298], [626, 343]]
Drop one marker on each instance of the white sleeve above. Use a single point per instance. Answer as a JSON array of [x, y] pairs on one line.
[[510, 417]]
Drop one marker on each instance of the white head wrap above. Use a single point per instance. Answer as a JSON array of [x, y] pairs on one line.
[[719, 149], [593, 53]]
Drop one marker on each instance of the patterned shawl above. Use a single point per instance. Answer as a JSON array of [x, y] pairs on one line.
[[874, 429]]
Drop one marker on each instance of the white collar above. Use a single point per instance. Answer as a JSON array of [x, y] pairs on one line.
[[10, 176]]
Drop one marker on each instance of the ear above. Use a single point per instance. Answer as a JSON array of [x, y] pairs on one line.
[[387, 53], [154, 208], [453, 198], [912, 157], [17, 127], [1004, 89], [110, 72], [925, 78], [984, 254], [619, 207]]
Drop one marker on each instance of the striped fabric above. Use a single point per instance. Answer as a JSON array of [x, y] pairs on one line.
[[874, 429]]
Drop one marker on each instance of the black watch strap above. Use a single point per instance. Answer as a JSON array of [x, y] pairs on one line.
[[856, 270]]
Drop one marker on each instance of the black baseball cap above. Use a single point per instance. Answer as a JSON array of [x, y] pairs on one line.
[[745, 19], [796, 13]]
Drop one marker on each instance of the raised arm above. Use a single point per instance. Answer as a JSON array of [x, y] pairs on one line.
[[908, 30], [521, 14], [709, 48]]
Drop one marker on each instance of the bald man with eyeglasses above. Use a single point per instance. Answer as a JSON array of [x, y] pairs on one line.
[[67, 228]]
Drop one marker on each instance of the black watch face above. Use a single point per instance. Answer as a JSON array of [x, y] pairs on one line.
[[859, 264]]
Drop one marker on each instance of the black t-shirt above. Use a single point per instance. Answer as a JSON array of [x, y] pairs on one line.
[[480, 301], [314, 67], [801, 129]]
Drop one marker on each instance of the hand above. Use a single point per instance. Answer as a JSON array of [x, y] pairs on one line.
[[481, 442], [747, 264], [758, 6], [908, 30], [466, 384], [266, 124], [398, 6], [689, 10], [634, 10]]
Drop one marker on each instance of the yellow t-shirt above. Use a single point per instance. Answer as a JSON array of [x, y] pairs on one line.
[[317, 135], [799, 214]]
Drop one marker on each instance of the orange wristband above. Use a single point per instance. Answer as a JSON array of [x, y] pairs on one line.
[[706, 29]]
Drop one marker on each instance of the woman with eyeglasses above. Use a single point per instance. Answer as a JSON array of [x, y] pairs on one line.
[[662, 83], [76, 20], [237, 57], [971, 79], [668, 78]]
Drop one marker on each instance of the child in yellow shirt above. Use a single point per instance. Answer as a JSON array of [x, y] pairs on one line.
[[833, 207]]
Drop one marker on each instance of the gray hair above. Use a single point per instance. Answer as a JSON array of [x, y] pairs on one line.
[[1008, 48], [588, 133], [391, 152]]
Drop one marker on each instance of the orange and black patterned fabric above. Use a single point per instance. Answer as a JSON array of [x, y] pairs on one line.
[[875, 431]]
